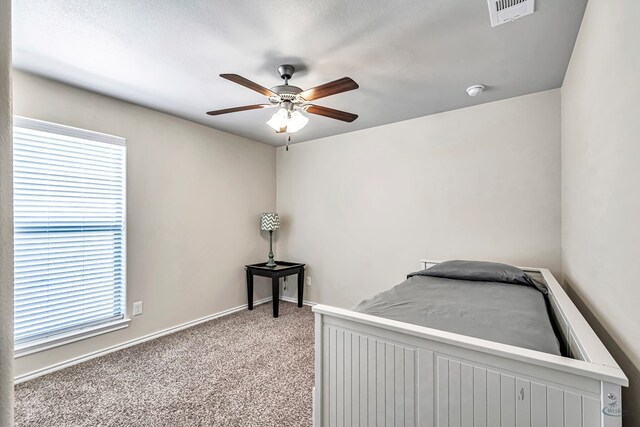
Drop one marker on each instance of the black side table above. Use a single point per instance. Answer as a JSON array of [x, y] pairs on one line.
[[281, 269]]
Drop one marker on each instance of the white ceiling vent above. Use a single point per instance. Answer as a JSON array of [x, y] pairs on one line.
[[503, 11]]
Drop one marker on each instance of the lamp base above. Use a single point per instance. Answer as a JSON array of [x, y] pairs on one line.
[[271, 262]]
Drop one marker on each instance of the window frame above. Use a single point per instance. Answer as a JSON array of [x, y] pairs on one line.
[[101, 327]]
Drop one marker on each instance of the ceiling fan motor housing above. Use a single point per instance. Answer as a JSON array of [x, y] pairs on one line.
[[285, 92]]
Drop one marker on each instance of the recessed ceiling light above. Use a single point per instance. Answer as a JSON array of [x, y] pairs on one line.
[[475, 90]]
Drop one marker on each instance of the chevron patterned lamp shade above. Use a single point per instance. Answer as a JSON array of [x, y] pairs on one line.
[[270, 221]]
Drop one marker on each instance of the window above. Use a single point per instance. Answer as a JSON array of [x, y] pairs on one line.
[[69, 213]]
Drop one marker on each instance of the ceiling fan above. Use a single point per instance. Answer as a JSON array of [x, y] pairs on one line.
[[293, 101]]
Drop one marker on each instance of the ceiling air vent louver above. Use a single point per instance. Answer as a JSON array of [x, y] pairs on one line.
[[503, 11]]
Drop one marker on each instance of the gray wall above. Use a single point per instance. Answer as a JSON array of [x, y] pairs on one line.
[[477, 183], [600, 177], [6, 220], [195, 196]]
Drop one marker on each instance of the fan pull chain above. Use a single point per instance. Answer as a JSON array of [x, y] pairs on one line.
[[288, 140]]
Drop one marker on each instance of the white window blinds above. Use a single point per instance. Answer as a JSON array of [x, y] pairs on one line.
[[69, 209]]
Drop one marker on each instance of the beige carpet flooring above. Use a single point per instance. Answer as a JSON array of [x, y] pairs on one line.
[[246, 369]]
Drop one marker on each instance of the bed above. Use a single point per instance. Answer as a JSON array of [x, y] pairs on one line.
[[386, 362]]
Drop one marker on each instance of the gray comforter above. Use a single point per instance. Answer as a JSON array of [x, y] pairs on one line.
[[502, 312]]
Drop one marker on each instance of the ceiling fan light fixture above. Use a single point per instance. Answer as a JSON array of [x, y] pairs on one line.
[[292, 122], [279, 120], [296, 122]]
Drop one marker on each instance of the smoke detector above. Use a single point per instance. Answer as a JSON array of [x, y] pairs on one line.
[[475, 90], [503, 11]]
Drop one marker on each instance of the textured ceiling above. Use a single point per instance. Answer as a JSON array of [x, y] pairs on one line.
[[410, 58]]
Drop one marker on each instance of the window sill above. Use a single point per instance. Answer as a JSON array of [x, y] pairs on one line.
[[32, 347]]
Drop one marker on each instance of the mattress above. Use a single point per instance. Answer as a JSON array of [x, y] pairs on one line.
[[502, 312]]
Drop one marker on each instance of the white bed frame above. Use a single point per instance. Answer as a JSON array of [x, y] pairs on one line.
[[372, 371]]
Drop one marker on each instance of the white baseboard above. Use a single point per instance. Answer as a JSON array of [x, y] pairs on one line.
[[295, 301], [57, 366]]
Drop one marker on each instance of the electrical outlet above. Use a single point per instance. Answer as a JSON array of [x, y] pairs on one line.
[[137, 308], [308, 280]]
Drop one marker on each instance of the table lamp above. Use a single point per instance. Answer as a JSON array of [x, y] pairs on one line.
[[270, 222]]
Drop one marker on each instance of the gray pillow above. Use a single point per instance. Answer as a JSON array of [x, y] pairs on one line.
[[481, 271]]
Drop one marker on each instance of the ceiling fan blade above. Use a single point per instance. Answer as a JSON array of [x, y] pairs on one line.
[[282, 130], [248, 83], [331, 113], [344, 84], [243, 108]]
